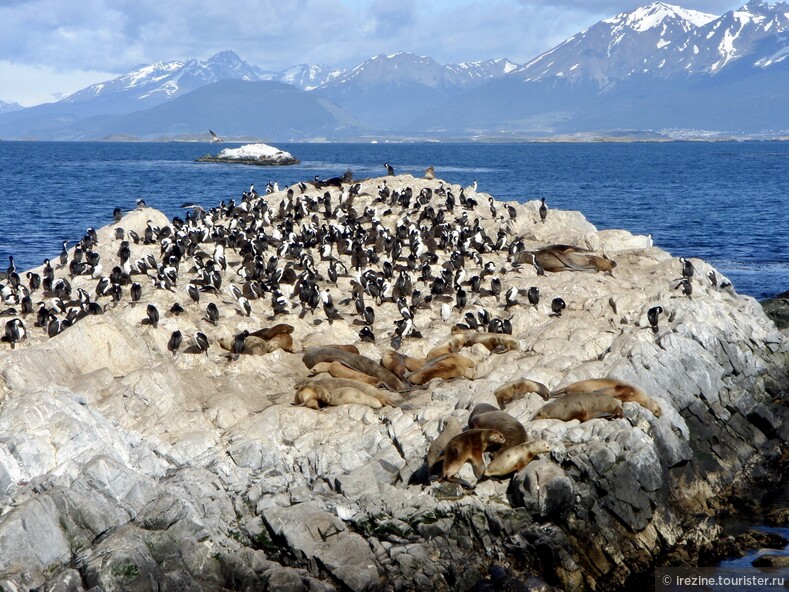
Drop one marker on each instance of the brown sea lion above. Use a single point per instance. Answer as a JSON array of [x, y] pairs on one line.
[[315, 396], [281, 341], [385, 397], [313, 355], [581, 406], [445, 366], [340, 370], [557, 258], [451, 429], [451, 346], [494, 342], [514, 459], [509, 391], [485, 416], [627, 393], [281, 329], [254, 346], [468, 446], [399, 364]]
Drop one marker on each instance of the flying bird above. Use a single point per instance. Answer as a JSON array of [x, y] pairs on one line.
[[214, 138]]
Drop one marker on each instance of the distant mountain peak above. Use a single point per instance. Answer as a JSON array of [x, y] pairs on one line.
[[654, 14]]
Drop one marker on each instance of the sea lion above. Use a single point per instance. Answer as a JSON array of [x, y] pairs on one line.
[[313, 355], [385, 397], [509, 391], [445, 366], [451, 429], [281, 329], [627, 393], [485, 416], [254, 346], [340, 370], [581, 406], [514, 459], [399, 364], [451, 346], [494, 342], [314, 396], [557, 258], [468, 446], [281, 341]]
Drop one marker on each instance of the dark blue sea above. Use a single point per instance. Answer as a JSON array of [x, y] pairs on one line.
[[727, 203]]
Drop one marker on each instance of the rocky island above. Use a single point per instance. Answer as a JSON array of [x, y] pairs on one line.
[[257, 154], [277, 394]]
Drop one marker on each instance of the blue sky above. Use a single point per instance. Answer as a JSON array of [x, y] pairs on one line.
[[50, 48]]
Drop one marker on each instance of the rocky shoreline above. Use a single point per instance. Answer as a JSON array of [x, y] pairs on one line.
[[128, 463]]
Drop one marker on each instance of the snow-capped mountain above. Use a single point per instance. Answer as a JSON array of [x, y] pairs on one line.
[[156, 83], [403, 68], [615, 48], [9, 107], [306, 77]]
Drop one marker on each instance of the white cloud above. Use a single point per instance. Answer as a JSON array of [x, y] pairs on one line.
[[33, 85]]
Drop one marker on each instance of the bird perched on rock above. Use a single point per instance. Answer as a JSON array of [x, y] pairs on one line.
[[686, 286], [153, 315], [366, 334], [238, 345], [201, 341], [652, 316], [713, 278], [557, 306], [212, 313], [687, 268], [511, 297], [389, 169], [543, 210], [117, 214], [534, 295], [175, 341], [14, 332]]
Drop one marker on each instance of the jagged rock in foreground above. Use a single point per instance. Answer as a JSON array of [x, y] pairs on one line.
[[128, 467]]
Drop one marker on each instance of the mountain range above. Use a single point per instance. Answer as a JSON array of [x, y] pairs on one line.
[[658, 67]]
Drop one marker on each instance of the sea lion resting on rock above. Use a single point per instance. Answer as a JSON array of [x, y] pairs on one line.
[[515, 389], [485, 416], [281, 329], [317, 393], [494, 342], [445, 366], [566, 258], [451, 346], [626, 393], [581, 406], [514, 459], [313, 355], [468, 446], [340, 370], [451, 429], [398, 364]]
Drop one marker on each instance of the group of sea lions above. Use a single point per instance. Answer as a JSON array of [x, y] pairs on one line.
[[495, 430]]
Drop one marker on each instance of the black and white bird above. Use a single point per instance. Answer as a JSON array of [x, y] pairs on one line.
[[686, 286], [687, 268], [201, 342], [15, 332], [653, 315], [366, 334], [511, 297], [136, 292], [175, 341], [537, 267], [389, 169], [543, 210], [713, 278], [194, 293], [534, 295], [214, 138], [243, 306], [238, 345], [153, 315], [212, 313], [557, 306]]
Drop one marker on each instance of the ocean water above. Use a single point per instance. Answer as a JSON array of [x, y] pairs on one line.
[[727, 203]]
